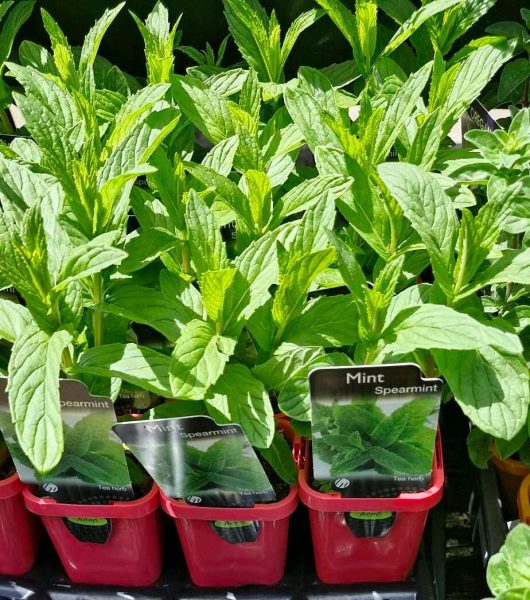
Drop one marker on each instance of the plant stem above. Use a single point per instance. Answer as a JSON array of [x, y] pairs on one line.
[[7, 128], [97, 316], [515, 245]]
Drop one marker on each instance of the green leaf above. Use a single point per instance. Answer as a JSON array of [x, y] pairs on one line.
[[150, 307], [329, 322], [347, 25], [297, 27], [366, 14], [491, 386], [479, 447], [433, 327], [238, 397], [249, 26], [198, 360], [207, 248], [294, 284], [226, 189], [221, 156], [309, 193], [19, 13], [509, 571], [415, 21], [426, 142], [225, 296], [95, 36], [431, 213], [250, 98], [14, 319], [134, 111], [465, 81], [34, 370], [294, 398], [145, 245], [310, 117], [205, 108], [513, 266], [91, 258], [513, 75], [258, 264], [135, 364], [399, 109], [287, 360], [280, 458], [459, 19]]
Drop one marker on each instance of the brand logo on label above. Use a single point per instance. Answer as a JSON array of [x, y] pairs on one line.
[[51, 488], [342, 483], [194, 499]]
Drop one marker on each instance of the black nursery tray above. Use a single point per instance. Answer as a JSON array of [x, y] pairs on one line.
[[48, 582]]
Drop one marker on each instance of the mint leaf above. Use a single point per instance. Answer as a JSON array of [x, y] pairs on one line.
[[279, 456], [198, 360], [205, 108], [239, 397], [326, 321], [135, 364], [431, 213], [34, 369], [432, 326], [491, 386], [91, 258], [206, 244], [150, 307], [14, 318]]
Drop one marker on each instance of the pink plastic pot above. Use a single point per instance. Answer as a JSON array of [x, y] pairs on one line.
[[214, 562], [19, 529], [341, 556], [132, 555]]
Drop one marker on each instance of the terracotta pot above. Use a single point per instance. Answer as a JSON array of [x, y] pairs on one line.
[[511, 473]]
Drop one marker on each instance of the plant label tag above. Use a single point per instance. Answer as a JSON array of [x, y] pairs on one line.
[[93, 468], [196, 459], [373, 428], [477, 116]]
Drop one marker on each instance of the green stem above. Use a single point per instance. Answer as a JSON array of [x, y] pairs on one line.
[[515, 245], [186, 265], [97, 316], [7, 128]]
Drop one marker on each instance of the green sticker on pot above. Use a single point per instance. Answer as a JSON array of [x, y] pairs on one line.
[[370, 516], [232, 524], [89, 530], [87, 521]]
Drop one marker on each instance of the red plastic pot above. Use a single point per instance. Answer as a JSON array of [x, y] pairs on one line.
[[341, 556], [19, 529], [132, 555], [214, 562]]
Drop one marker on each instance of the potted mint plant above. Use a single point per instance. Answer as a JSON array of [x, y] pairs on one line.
[[65, 202]]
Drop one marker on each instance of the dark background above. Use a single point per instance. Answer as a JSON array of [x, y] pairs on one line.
[[203, 21]]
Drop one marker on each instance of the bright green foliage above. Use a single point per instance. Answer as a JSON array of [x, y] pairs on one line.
[[359, 436], [12, 16], [515, 77], [258, 36], [160, 40], [509, 570]]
